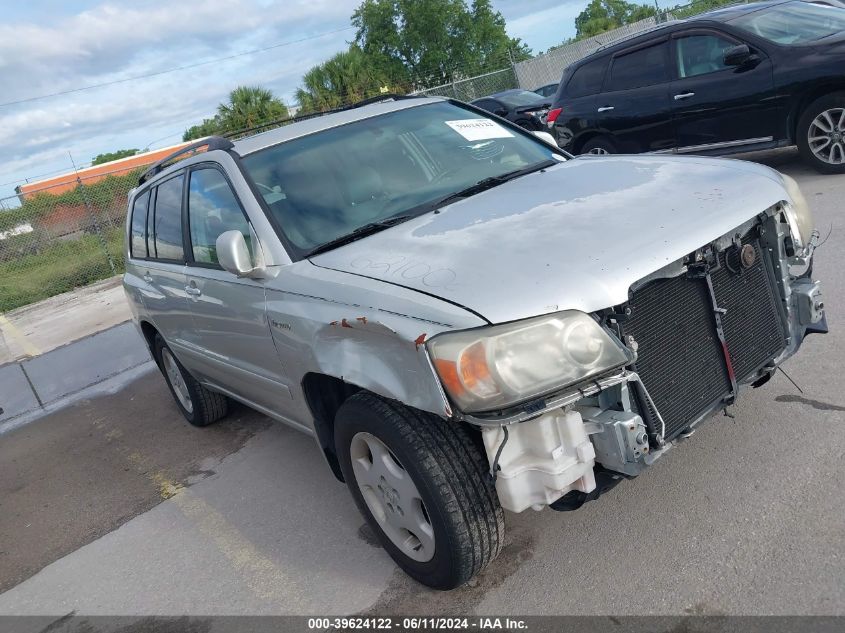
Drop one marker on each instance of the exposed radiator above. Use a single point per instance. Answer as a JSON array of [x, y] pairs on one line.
[[680, 358]]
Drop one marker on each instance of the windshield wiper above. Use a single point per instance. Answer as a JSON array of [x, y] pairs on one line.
[[357, 234], [489, 183]]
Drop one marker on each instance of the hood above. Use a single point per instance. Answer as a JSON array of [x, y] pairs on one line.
[[573, 237]]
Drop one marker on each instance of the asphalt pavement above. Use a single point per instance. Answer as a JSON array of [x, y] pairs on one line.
[[114, 505]]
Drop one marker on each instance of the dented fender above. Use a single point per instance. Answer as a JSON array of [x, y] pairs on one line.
[[365, 332]]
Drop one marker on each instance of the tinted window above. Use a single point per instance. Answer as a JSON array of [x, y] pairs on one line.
[[212, 210], [522, 98], [794, 22], [487, 104], [138, 242], [701, 54], [168, 220], [587, 79], [644, 67]]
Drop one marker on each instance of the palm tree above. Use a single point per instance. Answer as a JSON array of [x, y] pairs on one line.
[[249, 107]]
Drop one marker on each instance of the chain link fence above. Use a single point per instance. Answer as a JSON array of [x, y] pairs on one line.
[[475, 87], [61, 237]]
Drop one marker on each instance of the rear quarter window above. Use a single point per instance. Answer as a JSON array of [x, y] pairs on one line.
[[138, 231]]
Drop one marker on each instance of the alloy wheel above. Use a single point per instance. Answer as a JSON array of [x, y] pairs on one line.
[[599, 151], [392, 497], [826, 136], [177, 381]]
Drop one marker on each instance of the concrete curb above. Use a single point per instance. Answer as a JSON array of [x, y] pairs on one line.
[[34, 386]]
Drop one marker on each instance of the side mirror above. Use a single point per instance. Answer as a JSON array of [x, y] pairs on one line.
[[738, 55], [234, 257], [546, 137]]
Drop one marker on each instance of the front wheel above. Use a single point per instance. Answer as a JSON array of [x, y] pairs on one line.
[[821, 134], [423, 485]]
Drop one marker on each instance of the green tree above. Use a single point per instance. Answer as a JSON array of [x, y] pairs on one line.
[[107, 157], [698, 6], [347, 77], [606, 15], [426, 43], [208, 127], [249, 106]]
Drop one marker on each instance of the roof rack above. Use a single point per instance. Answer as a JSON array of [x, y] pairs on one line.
[[210, 143]]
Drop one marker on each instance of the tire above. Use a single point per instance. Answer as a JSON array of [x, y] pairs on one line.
[[599, 145], [448, 471], [819, 115], [199, 405]]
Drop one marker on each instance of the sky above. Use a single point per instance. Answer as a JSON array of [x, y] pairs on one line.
[[53, 46]]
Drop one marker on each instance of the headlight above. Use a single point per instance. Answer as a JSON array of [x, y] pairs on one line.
[[798, 214], [494, 367]]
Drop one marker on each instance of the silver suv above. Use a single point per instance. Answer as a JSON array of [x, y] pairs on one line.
[[465, 318]]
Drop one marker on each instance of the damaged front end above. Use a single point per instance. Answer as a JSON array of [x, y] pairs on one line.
[[639, 376]]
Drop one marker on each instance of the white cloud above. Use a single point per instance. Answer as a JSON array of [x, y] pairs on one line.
[[44, 52]]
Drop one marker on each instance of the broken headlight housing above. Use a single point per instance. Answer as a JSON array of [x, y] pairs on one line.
[[798, 214], [494, 367]]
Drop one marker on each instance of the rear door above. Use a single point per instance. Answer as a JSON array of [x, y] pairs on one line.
[[163, 269], [718, 107], [578, 116], [231, 341], [635, 108]]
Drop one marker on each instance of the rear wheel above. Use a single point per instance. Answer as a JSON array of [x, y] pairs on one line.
[[199, 405], [423, 485], [600, 146], [821, 134]]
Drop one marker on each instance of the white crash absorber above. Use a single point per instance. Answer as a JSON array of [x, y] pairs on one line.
[[541, 460]]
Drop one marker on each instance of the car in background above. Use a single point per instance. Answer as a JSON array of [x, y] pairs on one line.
[[525, 108], [743, 78], [547, 91]]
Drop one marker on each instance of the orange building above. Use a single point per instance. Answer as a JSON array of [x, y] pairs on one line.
[[59, 184]]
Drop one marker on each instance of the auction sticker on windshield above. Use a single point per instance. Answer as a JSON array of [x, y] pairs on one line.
[[478, 129]]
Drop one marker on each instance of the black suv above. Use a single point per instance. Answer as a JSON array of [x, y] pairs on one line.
[[744, 78]]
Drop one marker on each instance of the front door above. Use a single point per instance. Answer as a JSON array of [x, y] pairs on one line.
[[715, 106], [231, 343]]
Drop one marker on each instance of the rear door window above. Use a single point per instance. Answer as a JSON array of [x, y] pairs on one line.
[[213, 209], [586, 81], [643, 67], [138, 241], [168, 220]]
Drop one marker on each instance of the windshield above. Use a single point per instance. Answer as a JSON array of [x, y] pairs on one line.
[[523, 98], [325, 185], [794, 22]]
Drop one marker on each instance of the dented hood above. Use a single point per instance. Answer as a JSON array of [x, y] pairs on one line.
[[573, 237]]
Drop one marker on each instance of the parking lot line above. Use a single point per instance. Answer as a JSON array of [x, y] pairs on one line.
[[16, 335]]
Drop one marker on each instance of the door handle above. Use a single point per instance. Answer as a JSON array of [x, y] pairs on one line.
[[606, 108], [683, 96], [193, 291]]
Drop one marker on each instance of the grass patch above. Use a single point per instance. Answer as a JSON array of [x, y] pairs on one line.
[[59, 268]]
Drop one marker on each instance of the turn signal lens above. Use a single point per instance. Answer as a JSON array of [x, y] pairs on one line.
[[475, 373]]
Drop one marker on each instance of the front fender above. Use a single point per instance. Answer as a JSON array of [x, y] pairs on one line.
[[365, 332]]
